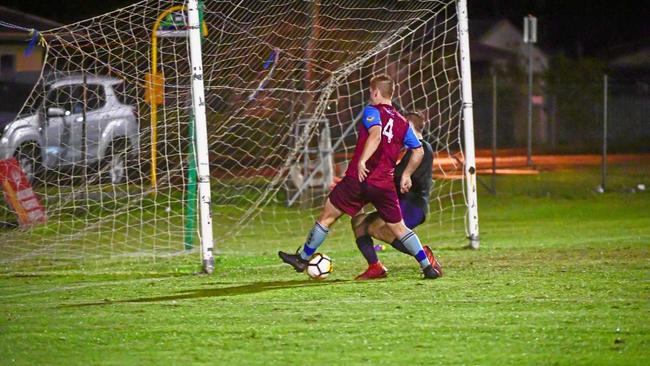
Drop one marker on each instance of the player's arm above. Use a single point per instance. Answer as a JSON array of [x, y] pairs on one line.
[[371, 145], [371, 122], [417, 153]]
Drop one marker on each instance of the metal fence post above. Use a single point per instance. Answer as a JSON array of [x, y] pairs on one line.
[[604, 162], [494, 133]]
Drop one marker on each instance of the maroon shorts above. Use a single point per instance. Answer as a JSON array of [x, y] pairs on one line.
[[350, 196]]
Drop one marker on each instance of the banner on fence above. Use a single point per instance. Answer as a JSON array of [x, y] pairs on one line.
[[19, 195]]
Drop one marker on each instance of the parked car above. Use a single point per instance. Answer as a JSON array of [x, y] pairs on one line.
[[79, 122]]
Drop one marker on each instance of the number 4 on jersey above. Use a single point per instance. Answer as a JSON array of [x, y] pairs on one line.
[[388, 130]]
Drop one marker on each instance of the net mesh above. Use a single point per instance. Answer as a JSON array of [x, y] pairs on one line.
[[285, 82]]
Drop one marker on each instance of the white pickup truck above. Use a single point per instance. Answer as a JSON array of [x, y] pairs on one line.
[[80, 121]]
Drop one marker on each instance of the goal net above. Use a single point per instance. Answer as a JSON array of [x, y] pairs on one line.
[[107, 137]]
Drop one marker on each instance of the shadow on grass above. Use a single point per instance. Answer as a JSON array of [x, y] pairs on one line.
[[251, 288], [454, 248]]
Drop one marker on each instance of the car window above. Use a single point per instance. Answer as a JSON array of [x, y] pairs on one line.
[[125, 94], [77, 99], [95, 96], [60, 97], [71, 98]]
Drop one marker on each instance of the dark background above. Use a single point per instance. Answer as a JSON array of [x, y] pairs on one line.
[[574, 28]]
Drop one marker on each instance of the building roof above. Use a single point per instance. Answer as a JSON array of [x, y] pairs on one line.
[[501, 34], [637, 59], [482, 26], [24, 20]]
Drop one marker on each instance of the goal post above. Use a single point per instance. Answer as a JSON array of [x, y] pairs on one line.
[[468, 127], [201, 136]]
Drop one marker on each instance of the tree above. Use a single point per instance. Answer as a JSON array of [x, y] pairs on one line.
[[575, 85]]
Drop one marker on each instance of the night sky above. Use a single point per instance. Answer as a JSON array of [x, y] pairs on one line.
[[574, 27]]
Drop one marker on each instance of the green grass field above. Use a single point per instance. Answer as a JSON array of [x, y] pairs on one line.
[[562, 277]]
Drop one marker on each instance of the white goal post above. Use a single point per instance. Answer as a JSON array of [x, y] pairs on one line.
[[198, 107], [468, 127]]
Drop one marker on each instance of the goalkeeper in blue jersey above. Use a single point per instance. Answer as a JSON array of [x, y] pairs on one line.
[[414, 205]]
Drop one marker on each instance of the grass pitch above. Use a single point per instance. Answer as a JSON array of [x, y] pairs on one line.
[[562, 277]]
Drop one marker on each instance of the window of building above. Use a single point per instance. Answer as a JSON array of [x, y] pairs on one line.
[[7, 64]]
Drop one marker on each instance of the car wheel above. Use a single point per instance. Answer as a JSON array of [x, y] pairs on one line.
[[116, 162]]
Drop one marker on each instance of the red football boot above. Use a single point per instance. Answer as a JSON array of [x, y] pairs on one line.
[[376, 270], [436, 269]]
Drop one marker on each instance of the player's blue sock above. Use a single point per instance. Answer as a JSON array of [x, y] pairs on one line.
[[367, 248], [315, 238], [412, 243]]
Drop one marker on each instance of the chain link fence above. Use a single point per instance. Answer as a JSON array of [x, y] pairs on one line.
[[567, 118]]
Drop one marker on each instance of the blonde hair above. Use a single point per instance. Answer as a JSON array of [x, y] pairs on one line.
[[384, 84]]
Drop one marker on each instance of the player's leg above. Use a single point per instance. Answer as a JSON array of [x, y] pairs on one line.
[[319, 232], [345, 198], [387, 206], [409, 240], [430, 266], [315, 238], [412, 216], [378, 230], [370, 226], [375, 227], [360, 225]]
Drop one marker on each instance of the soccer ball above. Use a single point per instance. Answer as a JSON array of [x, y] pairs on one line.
[[319, 267]]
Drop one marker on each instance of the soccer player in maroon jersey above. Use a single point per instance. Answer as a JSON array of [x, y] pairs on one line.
[[414, 205], [369, 179]]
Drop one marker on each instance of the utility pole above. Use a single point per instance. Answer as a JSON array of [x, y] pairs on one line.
[[530, 37]]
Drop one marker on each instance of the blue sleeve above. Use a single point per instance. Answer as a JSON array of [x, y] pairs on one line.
[[410, 140], [371, 117]]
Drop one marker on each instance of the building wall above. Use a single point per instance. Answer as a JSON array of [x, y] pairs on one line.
[[23, 63], [16, 84]]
